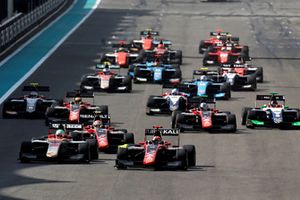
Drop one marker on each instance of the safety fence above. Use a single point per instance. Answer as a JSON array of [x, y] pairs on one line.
[[17, 28]]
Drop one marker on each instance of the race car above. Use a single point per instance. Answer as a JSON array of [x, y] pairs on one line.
[[75, 111], [205, 118], [243, 69], [272, 114], [121, 57], [106, 80], [241, 77], [155, 73], [209, 84], [224, 54], [165, 55], [58, 147], [156, 153], [147, 40], [167, 102], [109, 138], [32, 105], [216, 38]]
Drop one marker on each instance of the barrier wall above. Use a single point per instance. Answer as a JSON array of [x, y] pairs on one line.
[[12, 31]]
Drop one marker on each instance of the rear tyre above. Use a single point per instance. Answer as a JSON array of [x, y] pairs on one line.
[[94, 151], [181, 155], [232, 121], [245, 111], [25, 148], [191, 153], [129, 138]]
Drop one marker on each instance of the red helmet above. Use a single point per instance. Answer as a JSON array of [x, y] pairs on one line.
[[160, 46]]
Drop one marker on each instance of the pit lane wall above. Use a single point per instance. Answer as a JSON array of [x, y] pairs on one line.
[[13, 30]]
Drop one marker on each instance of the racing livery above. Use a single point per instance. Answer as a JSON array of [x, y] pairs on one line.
[[82, 112], [53, 148], [156, 153], [103, 81], [273, 114], [209, 119], [166, 103], [155, 73], [32, 105]]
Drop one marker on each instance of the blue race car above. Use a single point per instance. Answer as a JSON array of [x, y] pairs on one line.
[[209, 84], [155, 73]]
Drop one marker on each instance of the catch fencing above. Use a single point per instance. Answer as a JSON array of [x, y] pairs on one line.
[[21, 24]]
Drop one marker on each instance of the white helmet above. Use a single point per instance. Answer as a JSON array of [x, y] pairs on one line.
[[203, 106], [174, 91], [106, 71], [203, 78]]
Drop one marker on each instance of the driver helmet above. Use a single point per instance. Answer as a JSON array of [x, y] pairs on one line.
[[203, 106], [59, 132], [33, 94], [106, 71], [174, 91], [156, 138], [274, 103], [161, 45], [121, 49], [77, 100], [97, 123], [203, 78], [239, 60]]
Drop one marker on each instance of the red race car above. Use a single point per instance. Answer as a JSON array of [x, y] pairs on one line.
[[156, 153], [218, 37], [75, 111]]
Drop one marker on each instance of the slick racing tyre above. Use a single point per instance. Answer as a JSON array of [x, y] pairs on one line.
[[245, 111], [232, 121], [25, 148], [129, 138], [191, 153], [181, 155]]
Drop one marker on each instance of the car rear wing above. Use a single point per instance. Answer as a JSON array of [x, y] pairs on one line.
[[163, 131], [73, 94], [102, 66], [149, 32], [66, 126], [271, 97], [233, 65], [220, 33], [36, 87], [166, 132]]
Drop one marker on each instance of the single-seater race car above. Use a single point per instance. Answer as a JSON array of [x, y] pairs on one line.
[[167, 102], [121, 57], [272, 114], [157, 153], [32, 105], [209, 84], [74, 111], [218, 37], [225, 54], [244, 69], [205, 118], [163, 52], [106, 80], [58, 147], [108, 138], [240, 77], [154, 72]]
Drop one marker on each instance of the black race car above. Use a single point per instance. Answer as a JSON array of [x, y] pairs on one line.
[[32, 105]]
